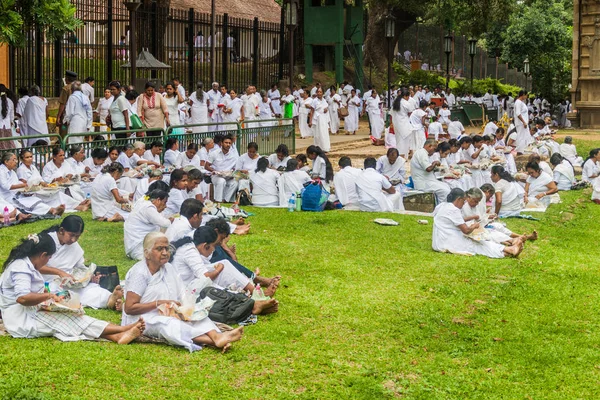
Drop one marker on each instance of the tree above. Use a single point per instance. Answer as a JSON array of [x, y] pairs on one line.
[[55, 17], [541, 32]]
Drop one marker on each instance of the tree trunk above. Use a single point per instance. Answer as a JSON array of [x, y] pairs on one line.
[[376, 44]]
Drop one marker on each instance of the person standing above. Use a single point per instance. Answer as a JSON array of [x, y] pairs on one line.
[[320, 121], [275, 97], [401, 110], [335, 103], [375, 118], [118, 112], [199, 103], [214, 99], [78, 113], [7, 116], [351, 121], [88, 88], [524, 137], [102, 108], [152, 109], [65, 93]]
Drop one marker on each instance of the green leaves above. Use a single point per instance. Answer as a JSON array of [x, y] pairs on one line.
[[55, 17]]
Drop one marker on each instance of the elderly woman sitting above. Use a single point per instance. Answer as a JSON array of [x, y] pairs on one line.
[[450, 228], [569, 151], [564, 174], [22, 291], [474, 210], [153, 282], [107, 198], [507, 192]]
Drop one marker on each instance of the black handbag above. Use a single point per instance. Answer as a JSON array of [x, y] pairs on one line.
[[229, 308], [109, 277]]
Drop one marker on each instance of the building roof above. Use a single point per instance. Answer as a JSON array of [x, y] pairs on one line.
[[265, 10]]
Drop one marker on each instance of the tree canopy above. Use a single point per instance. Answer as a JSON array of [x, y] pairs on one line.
[[54, 17]]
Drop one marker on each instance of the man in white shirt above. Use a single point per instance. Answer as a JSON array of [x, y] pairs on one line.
[[88, 88], [222, 162], [450, 98], [488, 99], [214, 98], [422, 171], [190, 220], [344, 183], [250, 105], [522, 123], [179, 87], [456, 129], [375, 192]]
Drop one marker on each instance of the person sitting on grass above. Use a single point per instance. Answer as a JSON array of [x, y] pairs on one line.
[[152, 282], [224, 252], [68, 257], [106, 197], [569, 151], [291, 181], [474, 210], [375, 192], [345, 186], [264, 183], [591, 167], [507, 196], [539, 185], [564, 174], [145, 217], [190, 219], [22, 291], [450, 228], [177, 192], [279, 159], [303, 163]]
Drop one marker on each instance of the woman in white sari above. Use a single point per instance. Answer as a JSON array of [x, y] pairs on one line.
[[233, 111], [10, 184], [153, 282], [199, 104], [304, 109], [320, 121], [591, 167], [264, 183], [539, 185], [106, 197], [401, 110], [68, 258], [450, 228], [78, 113], [22, 291], [564, 174], [375, 117], [246, 163], [335, 103], [36, 114], [351, 121], [507, 196], [291, 182]]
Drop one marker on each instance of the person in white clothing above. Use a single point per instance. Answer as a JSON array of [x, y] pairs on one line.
[[435, 129], [145, 217], [215, 98], [418, 121], [392, 167], [569, 151], [375, 192], [450, 228], [275, 98], [401, 109], [177, 192], [199, 103], [321, 167], [490, 129], [250, 106], [375, 117], [564, 173], [152, 155], [69, 256], [221, 163], [106, 197], [521, 113], [233, 110], [291, 182], [87, 88], [172, 153], [22, 291], [422, 171], [351, 121], [345, 184], [264, 185], [456, 129], [35, 115], [188, 157], [591, 167], [335, 103], [304, 110], [319, 121], [78, 113], [444, 115], [152, 283], [539, 186], [174, 99], [507, 201], [279, 159], [190, 219], [102, 110]]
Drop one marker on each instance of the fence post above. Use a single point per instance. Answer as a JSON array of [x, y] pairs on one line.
[[225, 48], [58, 67], [239, 137], [109, 43], [281, 43], [38, 56], [154, 36], [191, 49], [255, 53]]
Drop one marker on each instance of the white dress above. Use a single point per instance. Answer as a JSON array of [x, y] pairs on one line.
[[32, 204], [35, 115], [369, 187], [537, 186], [78, 114], [275, 98], [199, 112], [21, 278], [345, 187], [321, 124], [375, 118], [163, 285], [418, 130], [102, 110], [303, 113], [334, 105], [424, 180], [265, 191], [103, 200], [511, 202], [523, 135], [176, 199], [447, 237], [590, 168], [351, 121], [402, 127], [143, 219], [291, 182]]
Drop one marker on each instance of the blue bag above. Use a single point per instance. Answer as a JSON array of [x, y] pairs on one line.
[[314, 196]]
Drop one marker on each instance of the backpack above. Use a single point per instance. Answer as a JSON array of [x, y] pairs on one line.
[[314, 196], [230, 308], [244, 198]]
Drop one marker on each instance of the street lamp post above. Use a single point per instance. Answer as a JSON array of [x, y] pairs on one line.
[[390, 31], [526, 71], [291, 20], [132, 6], [472, 54], [447, 50]]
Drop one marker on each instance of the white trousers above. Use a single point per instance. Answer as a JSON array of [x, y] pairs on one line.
[[224, 189]]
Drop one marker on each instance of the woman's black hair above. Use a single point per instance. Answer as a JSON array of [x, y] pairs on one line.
[[112, 168], [391, 151], [29, 248], [131, 95], [25, 151], [170, 143], [200, 91], [465, 139], [453, 142], [205, 234], [149, 84], [71, 223], [455, 194], [443, 147], [56, 151], [504, 174], [111, 148], [262, 164], [312, 149], [4, 100], [157, 194], [396, 103], [195, 174], [533, 165], [253, 145], [487, 188], [557, 159], [192, 146], [191, 207], [593, 153], [302, 157], [477, 139], [99, 152], [220, 225], [292, 165], [115, 84], [157, 185], [500, 130], [176, 176]]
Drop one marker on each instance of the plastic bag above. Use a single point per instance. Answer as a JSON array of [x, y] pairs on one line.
[[82, 277], [189, 310], [69, 304]]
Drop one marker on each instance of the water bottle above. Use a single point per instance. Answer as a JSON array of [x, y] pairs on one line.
[[6, 216], [88, 196], [298, 201], [292, 203]]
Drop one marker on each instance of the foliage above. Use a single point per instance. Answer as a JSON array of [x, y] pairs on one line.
[[542, 32], [55, 17], [366, 312]]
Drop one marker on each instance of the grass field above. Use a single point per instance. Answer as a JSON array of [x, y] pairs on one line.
[[367, 312]]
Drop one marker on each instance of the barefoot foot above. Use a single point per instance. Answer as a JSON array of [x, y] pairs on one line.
[[265, 307], [117, 294]]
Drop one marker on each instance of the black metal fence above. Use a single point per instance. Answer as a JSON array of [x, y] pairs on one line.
[[426, 43], [246, 51]]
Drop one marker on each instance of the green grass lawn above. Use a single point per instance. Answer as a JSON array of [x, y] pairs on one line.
[[367, 312]]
